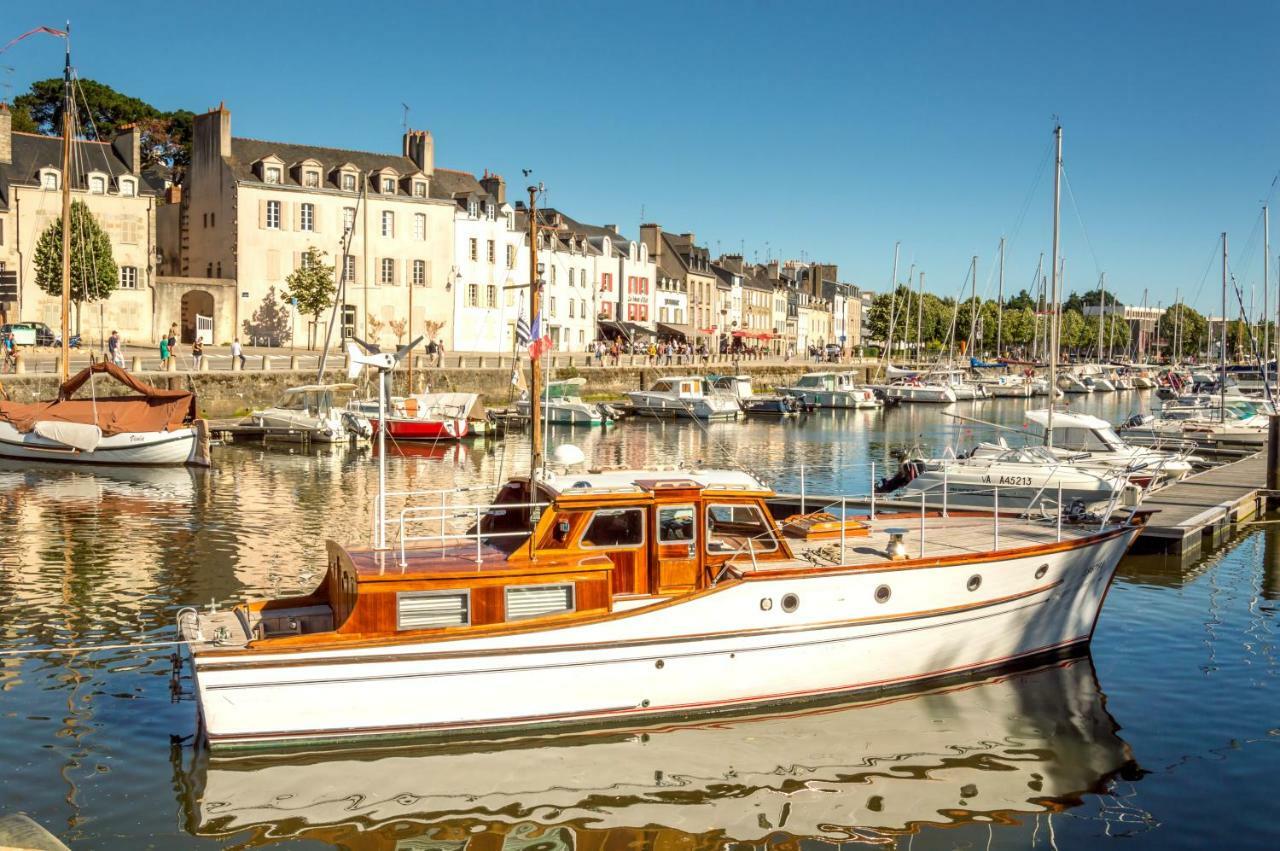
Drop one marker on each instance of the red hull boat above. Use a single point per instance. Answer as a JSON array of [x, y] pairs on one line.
[[414, 428]]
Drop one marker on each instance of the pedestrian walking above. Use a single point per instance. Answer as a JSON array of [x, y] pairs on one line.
[[10, 352], [439, 353], [164, 352], [113, 348], [173, 340], [197, 353], [237, 352]]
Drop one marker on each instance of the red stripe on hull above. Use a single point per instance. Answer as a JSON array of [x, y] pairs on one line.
[[413, 429]]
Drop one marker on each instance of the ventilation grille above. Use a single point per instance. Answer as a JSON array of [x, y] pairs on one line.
[[535, 600], [429, 609]]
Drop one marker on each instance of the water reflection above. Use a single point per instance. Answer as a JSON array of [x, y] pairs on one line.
[[997, 750]]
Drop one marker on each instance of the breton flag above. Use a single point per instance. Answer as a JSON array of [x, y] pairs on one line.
[[522, 331], [538, 341]]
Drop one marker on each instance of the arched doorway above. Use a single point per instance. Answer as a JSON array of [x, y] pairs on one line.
[[197, 314]]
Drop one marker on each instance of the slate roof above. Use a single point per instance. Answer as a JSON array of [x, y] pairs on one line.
[[32, 152], [246, 152]]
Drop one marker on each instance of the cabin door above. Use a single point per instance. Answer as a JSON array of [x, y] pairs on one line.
[[675, 536]]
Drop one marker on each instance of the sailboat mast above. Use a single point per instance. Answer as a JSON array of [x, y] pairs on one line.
[[67, 124], [1266, 293], [1102, 310], [1222, 344], [1053, 317], [535, 377], [1000, 304], [919, 319], [893, 304], [973, 308]]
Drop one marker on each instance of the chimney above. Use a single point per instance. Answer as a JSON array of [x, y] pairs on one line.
[[173, 194], [495, 186], [651, 237], [614, 228], [128, 147], [775, 270], [210, 140], [421, 148], [6, 134]]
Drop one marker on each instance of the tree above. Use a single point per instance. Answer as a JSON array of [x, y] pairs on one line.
[[102, 113], [94, 274], [312, 285], [399, 327], [1021, 300], [1191, 327], [270, 321]]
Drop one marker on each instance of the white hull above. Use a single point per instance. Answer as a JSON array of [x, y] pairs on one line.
[[880, 765], [1071, 384], [932, 393], [133, 448], [1009, 391], [559, 412], [315, 429], [864, 398], [666, 405], [719, 650]]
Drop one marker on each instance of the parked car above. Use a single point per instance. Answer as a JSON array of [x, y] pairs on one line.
[[32, 334]]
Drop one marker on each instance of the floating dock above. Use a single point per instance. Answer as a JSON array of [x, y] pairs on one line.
[[1202, 508]]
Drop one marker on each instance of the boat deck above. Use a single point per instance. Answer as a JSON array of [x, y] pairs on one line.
[[957, 535]]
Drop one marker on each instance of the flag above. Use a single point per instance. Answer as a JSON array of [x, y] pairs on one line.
[[522, 331], [538, 341]]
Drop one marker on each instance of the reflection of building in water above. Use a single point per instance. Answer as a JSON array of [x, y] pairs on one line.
[[970, 754], [1271, 564]]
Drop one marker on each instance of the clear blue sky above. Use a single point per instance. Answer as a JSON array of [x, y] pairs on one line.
[[832, 129]]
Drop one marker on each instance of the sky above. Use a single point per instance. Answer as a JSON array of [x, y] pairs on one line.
[[788, 130]]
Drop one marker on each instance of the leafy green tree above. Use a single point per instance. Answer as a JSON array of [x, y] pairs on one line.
[[1073, 331], [94, 274], [1021, 300], [312, 284], [102, 113], [1190, 324], [270, 321]]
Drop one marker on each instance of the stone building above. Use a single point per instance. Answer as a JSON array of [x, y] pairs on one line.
[[106, 176], [250, 210], [688, 290]]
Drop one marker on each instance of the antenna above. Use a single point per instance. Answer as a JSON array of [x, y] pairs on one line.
[[8, 82]]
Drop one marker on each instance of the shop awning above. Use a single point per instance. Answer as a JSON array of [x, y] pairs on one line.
[[742, 334], [629, 331], [678, 331]]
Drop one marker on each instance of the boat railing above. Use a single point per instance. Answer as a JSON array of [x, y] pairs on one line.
[[448, 513]]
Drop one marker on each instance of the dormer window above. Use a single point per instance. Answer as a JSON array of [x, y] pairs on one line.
[[473, 209], [271, 174], [348, 182], [311, 179], [49, 178], [97, 184], [388, 186], [128, 188], [419, 189], [488, 211]]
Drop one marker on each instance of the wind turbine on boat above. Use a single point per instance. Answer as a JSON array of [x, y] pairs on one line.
[[385, 363]]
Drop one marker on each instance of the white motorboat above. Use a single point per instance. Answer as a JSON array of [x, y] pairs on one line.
[[1027, 741], [151, 427], [1239, 423], [627, 595], [562, 404], [313, 412], [1091, 443], [833, 390], [1071, 383], [683, 396], [919, 390], [1098, 384], [1026, 478], [1009, 386]]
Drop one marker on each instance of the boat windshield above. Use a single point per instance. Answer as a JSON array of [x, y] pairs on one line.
[[1087, 440]]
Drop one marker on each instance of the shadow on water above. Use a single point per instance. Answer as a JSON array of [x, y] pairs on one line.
[[1011, 751]]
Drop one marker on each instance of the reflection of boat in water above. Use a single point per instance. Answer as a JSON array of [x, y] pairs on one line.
[[99, 483], [437, 451], [973, 752]]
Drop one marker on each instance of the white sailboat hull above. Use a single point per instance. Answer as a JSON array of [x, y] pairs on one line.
[[132, 448], [650, 404], [719, 650], [933, 393], [562, 412]]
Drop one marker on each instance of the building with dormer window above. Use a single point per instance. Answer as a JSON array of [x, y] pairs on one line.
[[250, 209], [106, 176]]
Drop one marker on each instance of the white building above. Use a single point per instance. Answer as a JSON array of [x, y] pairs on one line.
[[491, 260], [568, 262]]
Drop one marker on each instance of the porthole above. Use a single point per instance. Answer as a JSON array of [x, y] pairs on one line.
[[766, 603], [644, 704], [1041, 571], [790, 603], [659, 664], [883, 593], [974, 583]]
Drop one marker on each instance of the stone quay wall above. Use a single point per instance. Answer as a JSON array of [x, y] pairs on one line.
[[234, 393]]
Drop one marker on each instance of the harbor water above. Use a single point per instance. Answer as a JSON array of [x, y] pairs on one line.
[[1166, 735]]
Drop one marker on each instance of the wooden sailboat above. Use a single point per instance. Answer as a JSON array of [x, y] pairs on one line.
[[603, 596]]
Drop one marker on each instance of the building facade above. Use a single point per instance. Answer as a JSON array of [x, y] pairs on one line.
[[252, 209], [106, 176]]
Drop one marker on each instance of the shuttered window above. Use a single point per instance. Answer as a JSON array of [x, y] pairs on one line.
[[531, 601], [426, 609]]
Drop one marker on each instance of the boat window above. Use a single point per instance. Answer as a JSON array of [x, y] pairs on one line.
[[615, 527], [427, 609], [293, 402], [1079, 439], [730, 527], [676, 524], [531, 601]]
